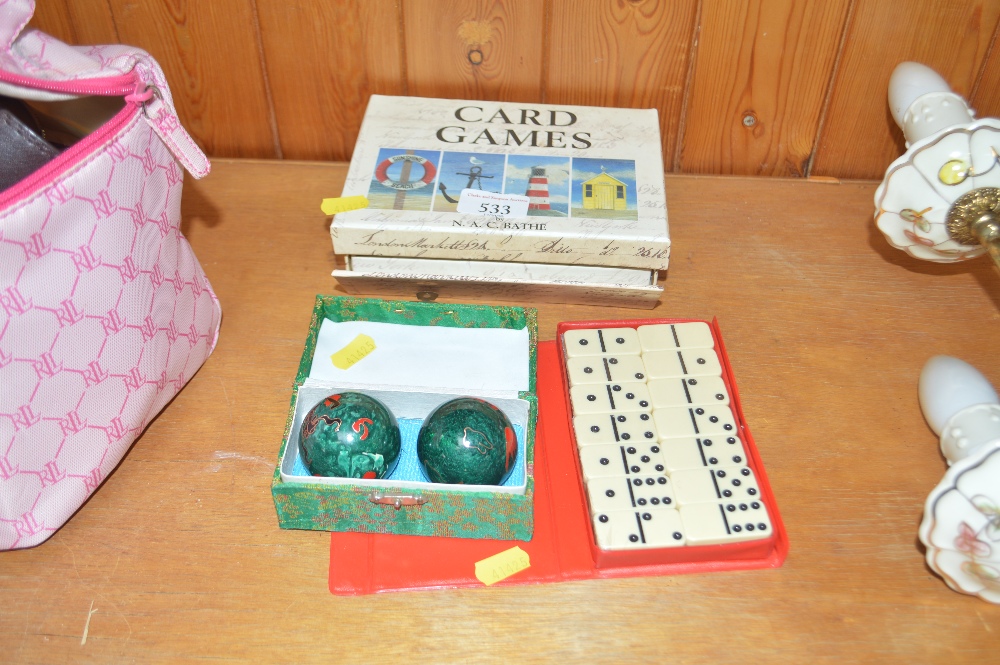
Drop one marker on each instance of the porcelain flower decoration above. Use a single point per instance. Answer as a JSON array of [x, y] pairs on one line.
[[938, 176], [961, 525]]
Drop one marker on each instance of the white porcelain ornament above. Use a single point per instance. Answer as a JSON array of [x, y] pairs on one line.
[[940, 201], [961, 525]]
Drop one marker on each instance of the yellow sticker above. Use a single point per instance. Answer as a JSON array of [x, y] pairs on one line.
[[501, 566], [343, 204], [359, 347]]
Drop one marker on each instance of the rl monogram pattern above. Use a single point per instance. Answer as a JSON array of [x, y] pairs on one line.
[[105, 312]]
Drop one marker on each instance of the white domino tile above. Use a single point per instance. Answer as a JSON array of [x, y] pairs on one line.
[[662, 336], [688, 391], [605, 369], [732, 483], [659, 445], [675, 422], [601, 341], [621, 492], [702, 452], [718, 523], [684, 362], [604, 428], [632, 529], [610, 398], [621, 460]]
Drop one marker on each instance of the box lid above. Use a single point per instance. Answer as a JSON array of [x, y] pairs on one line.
[[591, 179]]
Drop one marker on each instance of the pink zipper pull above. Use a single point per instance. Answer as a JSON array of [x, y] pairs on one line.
[[163, 119]]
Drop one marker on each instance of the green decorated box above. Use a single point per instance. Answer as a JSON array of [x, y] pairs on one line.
[[413, 357]]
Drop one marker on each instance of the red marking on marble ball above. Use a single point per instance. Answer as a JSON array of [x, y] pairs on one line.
[[511, 446], [369, 474]]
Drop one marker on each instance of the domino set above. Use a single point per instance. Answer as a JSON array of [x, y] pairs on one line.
[[662, 448]]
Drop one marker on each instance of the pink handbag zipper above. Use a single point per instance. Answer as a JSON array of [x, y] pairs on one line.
[[125, 85]]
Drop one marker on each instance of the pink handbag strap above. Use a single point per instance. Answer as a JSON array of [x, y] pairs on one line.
[[34, 65]]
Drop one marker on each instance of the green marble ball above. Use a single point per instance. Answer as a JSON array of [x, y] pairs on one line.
[[350, 435], [467, 441]]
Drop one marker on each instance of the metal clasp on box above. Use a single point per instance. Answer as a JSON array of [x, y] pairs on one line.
[[397, 501]]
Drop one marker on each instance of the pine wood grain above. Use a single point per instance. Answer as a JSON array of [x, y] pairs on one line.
[[826, 326], [760, 79], [625, 54], [344, 52], [209, 52], [985, 98], [474, 49], [80, 22], [859, 137]]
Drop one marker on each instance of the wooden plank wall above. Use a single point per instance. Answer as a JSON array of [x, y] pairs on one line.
[[755, 87]]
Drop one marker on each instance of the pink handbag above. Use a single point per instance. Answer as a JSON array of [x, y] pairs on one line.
[[105, 312]]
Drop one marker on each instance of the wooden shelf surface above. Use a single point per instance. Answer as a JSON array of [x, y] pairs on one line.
[[827, 327]]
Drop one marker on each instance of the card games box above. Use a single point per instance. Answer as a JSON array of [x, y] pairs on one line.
[[502, 195], [413, 357]]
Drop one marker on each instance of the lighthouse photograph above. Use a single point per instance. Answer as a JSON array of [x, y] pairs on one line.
[[544, 180]]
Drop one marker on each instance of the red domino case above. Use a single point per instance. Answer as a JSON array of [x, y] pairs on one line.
[[563, 546]]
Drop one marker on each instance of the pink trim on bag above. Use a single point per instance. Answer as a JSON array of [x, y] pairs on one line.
[[106, 86], [69, 158]]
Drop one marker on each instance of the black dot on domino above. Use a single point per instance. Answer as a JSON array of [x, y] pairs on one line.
[[634, 538], [654, 501], [743, 506], [654, 449], [731, 439], [752, 491], [640, 375], [750, 527], [588, 370], [649, 435], [644, 416], [713, 419], [591, 398], [583, 342], [644, 458], [762, 526], [635, 469], [706, 442], [629, 395], [677, 535], [630, 450], [737, 459], [719, 396], [644, 404], [661, 480], [637, 482], [755, 505], [692, 382], [595, 428], [641, 502], [727, 427], [730, 507], [720, 473], [605, 461], [659, 467], [737, 528], [736, 482], [602, 518], [700, 412], [612, 361], [626, 436], [647, 516], [701, 361], [727, 493], [666, 500], [621, 419], [620, 340], [713, 460], [609, 493], [650, 481], [617, 389], [745, 472]]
